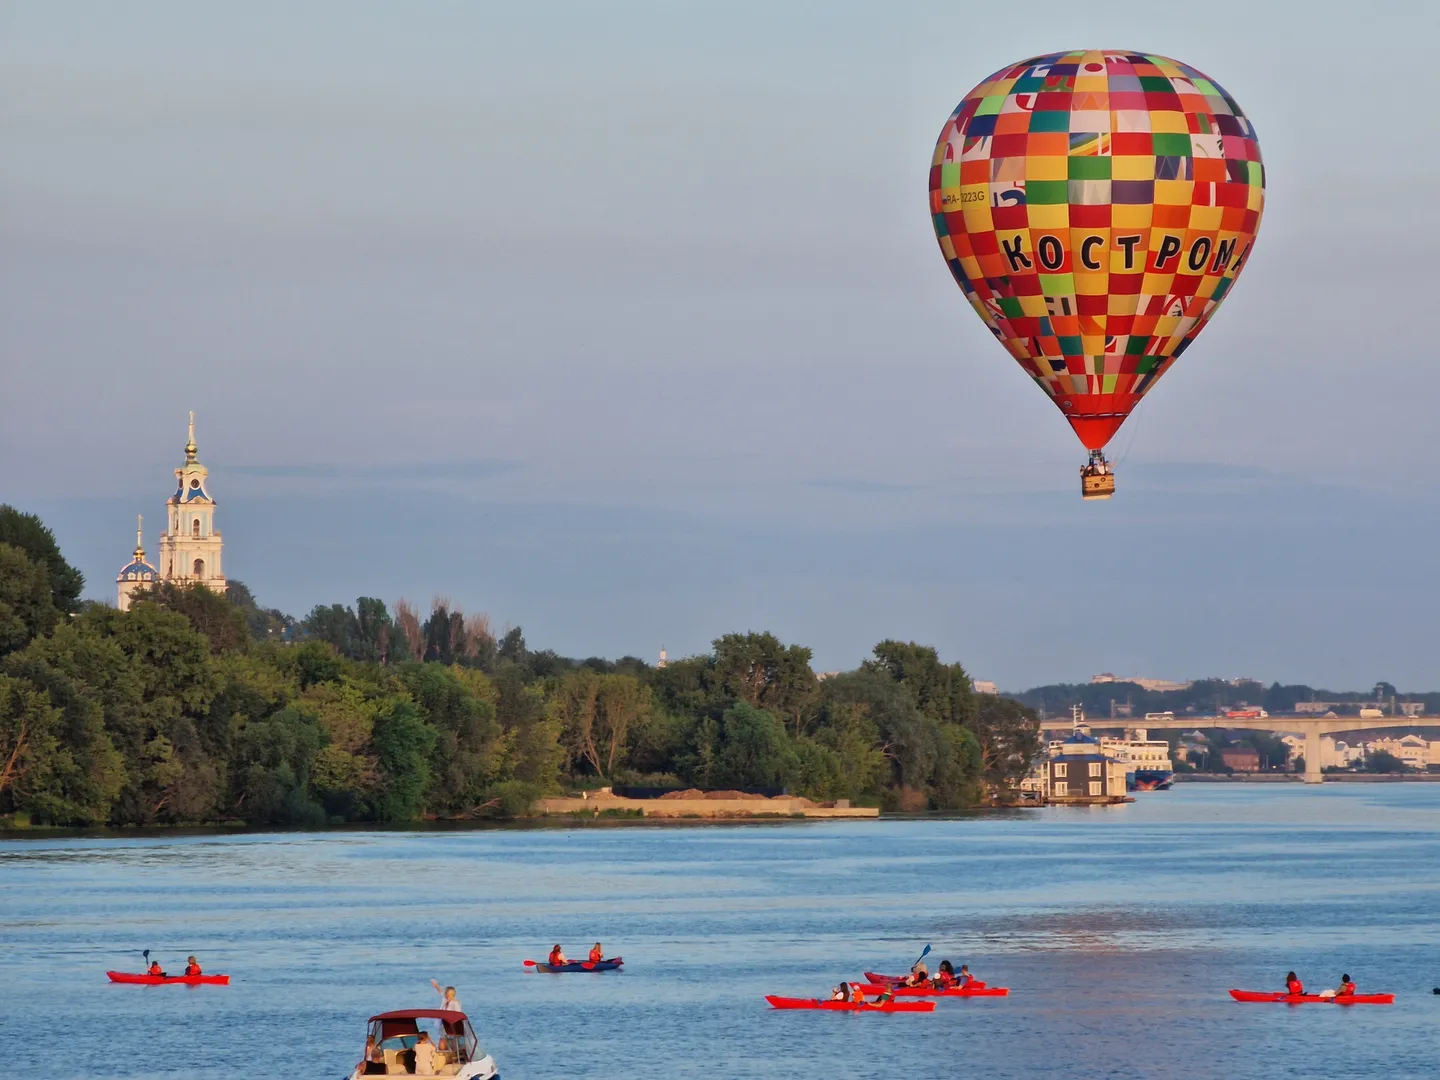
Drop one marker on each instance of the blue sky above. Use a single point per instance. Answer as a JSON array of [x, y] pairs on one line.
[[626, 324]]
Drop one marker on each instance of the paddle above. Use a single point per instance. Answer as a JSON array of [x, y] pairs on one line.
[[922, 956]]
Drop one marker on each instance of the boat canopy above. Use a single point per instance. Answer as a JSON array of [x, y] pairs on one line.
[[421, 1014]]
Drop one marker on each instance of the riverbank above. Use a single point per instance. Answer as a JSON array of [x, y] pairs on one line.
[[721, 805]]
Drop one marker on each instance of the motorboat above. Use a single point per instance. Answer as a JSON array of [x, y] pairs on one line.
[[390, 1046]]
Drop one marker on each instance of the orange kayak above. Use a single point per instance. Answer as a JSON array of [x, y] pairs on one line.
[[929, 991], [162, 980], [1313, 999], [893, 981], [849, 1006]]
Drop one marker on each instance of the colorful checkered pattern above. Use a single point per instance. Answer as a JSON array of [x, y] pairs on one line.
[[1096, 207]]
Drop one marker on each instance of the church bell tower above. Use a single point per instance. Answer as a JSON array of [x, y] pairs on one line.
[[190, 546]]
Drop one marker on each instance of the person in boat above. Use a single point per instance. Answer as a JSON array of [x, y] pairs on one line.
[[155, 969], [192, 967], [427, 1056], [1293, 985], [841, 992], [944, 976], [374, 1061], [596, 953], [1346, 987], [448, 1001], [964, 979], [557, 957]]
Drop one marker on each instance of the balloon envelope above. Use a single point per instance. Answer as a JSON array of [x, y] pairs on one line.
[[1096, 207]]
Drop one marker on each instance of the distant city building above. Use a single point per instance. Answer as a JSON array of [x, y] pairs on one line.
[[190, 546], [1153, 685], [984, 687], [1241, 758]]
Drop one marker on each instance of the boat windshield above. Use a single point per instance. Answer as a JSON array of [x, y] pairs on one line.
[[390, 1047]]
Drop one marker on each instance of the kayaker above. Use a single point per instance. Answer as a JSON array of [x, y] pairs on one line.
[[944, 976], [964, 979], [1293, 985], [596, 953], [841, 992], [557, 957], [192, 967], [919, 974], [448, 1001], [1346, 987], [156, 970]]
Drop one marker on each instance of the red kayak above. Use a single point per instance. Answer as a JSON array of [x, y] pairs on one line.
[[929, 991], [161, 980], [850, 1006], [1309, 999], [895, 980]]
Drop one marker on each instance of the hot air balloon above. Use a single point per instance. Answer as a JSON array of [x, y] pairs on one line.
[[1096, 207]]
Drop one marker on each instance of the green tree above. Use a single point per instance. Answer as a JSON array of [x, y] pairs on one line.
[[158, 714], [1009, 739], [28, 533], [27, 609], [404, 744], [337, 626], [30, 729], [75, 669], [754, 750], [766, 674], [847, 730], [209, 613], [272, 764], [264, 624], [376, 630], [468, 753], [1382, 761], [597, 714], [941, 691]]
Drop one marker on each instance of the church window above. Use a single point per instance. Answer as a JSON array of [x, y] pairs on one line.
[[195, 527], [199, 567]]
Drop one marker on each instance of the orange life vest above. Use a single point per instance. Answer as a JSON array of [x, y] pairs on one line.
[[557, 957], [192, 969], [1295, 986], [156, 969], [1346, 988], [596, 955]]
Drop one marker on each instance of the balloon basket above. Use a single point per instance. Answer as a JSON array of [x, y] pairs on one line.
[[1097, 481]]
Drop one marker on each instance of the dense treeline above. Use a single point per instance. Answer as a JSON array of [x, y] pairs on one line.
[[198, 707], [1209, 697]]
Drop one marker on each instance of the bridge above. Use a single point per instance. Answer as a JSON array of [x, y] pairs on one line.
[[1312, 727]]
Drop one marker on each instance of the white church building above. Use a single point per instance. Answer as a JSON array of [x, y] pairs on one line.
[[190, 546]]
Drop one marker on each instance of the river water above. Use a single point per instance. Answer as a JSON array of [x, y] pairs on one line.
[[1117, 929]]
